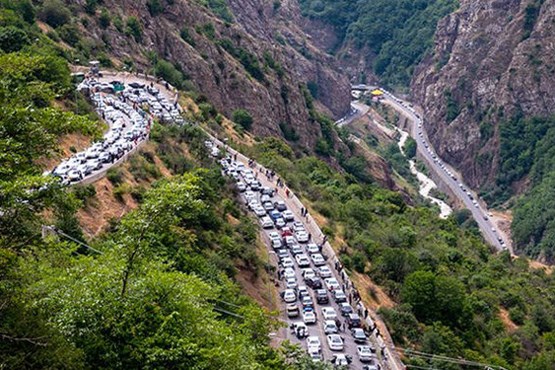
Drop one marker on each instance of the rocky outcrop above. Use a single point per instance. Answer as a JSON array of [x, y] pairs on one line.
[[212, 61], [492, 59]]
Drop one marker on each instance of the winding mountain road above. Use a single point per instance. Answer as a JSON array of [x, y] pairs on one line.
[[445, 173]]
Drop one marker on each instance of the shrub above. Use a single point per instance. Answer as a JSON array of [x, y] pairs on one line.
[[155, 7], [134, 28], [84, 192], [120, 191], [12, 39], [243, 118], [104, 19], [69, 33], [168, 72], [186, 36], [90, 6], [115, 176], [55, 13]]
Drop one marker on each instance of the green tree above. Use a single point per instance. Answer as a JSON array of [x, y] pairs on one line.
[[12, 39], [104, 19], [55, 13], [243, 118], [133, 28]]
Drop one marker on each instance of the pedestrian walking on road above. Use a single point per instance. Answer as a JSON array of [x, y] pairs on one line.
[[287, 193], [309, 236], [366, 313]]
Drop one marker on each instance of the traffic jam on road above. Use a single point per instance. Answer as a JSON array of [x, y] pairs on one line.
[[467, 193], [315, 304], [129, 110]]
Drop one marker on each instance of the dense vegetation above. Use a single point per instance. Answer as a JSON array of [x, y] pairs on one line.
[[397, 33], [454, 297], [527, 150], [156, 290]]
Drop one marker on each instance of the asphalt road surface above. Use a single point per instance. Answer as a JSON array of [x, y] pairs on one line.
[[386, 356], [448, 175], [350, 347]]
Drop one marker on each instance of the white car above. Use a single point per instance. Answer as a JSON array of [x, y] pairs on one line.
[[288, 273], [318, 259], [250, 195], [276, 243], [332, 283], [288, 215], [302, 260], [280, 222], [260, 211], [315, 354], [241, 186], [291, 283], [287, 262], [324, 272], [308, 273], [341, 360], [274, 235], [302, 236], [266, 222], [313, 341], [296, 249], [84, 168], [365, 353], [330, 327], [253, 204], [335, 342], [74, 176], [298, 226], [312, 248], [289, 240], [309, 317], [289, 296], [95, 164], [329, 313]]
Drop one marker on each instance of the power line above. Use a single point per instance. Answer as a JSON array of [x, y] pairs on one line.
[[59, 232], [458, 361]]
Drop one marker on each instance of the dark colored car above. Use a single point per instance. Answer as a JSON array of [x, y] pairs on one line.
[[353, 321], [345, 309], [359, 335], [314, 283], [322, 296]]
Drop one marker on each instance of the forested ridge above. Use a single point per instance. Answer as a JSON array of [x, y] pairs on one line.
[[398, 33], [526, 152]]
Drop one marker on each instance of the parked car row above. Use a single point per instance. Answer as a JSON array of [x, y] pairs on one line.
[[311, 293], [127, 114]]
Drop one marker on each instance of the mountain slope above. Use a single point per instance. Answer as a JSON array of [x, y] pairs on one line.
[[257, 59], [488, 99]]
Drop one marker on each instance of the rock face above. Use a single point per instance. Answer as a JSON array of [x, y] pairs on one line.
[[214, 58], [492, 59]]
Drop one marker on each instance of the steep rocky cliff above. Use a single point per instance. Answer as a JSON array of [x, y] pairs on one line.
[[492, 62], [259, 60]]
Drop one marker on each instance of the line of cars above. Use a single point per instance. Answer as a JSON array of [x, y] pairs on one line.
[[313, 297], [485, 215], [129, 122]]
